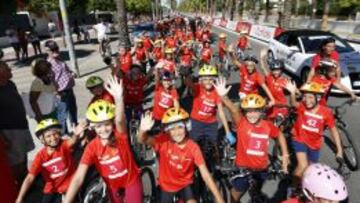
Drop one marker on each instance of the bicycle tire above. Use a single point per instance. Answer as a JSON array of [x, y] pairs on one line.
[[149, 185], [94, 193], [351, 159]]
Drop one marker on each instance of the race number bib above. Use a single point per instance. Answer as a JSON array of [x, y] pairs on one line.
[[113, 168], [258, 144], [166, 100], [312, 122], [56, 167], [207, 108]]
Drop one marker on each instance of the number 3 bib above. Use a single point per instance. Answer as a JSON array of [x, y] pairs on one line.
[[258, 144]]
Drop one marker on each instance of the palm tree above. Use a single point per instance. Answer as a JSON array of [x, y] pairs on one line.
[[122, 23], [313, 9], [325, 17], [287, 14], [267, 10]]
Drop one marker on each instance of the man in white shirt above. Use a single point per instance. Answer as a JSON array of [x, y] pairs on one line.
[[102, 29]]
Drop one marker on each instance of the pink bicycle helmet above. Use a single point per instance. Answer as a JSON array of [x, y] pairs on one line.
[[321, 181]]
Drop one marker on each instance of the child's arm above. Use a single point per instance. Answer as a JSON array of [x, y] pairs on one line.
[[264, 67], [206, 176], [223, 118], [78, 133], [336, 137], [25, 187], [268, 93], [342, 87], [284, 150], [76, 183], [291, 87], [116, 89]]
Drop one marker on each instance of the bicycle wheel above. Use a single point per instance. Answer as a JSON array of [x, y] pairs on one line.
[[149, 185], [351, 150], [96, 192]]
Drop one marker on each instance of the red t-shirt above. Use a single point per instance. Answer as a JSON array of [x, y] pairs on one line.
[[169, 65], [57, 168], [309, 126], [147, 43], [292, 200], [317, 58], [189, 36], [116, 165], [249, 83], [163, 99], [134, 91], [222, 49], [326, 83], [277, 87], [205, 104], [253, 142], [158, 53], [186, 56], [198, 35], [140, 54], [176, 164], [104, 96], [242, 43], [170, 42], [125, 62], [206, 54]]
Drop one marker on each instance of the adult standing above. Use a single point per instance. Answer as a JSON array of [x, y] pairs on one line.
[[14, 129], [52, 29], [64, 81], [35, 41], [23, 40], [102, 29]]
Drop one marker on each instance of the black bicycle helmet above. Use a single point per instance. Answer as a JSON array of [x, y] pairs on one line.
[[276, 64]]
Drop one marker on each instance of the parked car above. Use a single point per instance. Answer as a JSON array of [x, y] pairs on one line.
[[297, 47]]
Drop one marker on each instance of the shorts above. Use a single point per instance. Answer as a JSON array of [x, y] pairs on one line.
[[184, 194], [201, 131], [52, 198], [242, 184], [312, 155], [20, 143]]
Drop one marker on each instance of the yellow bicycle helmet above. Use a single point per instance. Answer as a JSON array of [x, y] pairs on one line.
[[222, 35], [169, 50], [253, 101], [94, 81], [313, 87], [100, 111], [174, 115], [208, 70], [45, 125], [158, 41]]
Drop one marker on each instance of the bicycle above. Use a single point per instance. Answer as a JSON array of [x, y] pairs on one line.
[[350, 148], [96, 192]]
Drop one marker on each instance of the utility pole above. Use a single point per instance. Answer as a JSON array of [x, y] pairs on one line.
[[68, 38]]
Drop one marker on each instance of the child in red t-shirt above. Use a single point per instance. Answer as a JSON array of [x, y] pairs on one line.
[[124, 61], [206, 105], [326, 76], [110, 151], [250, 78], [95, 85], [253, 135], [206, 53], [178, 156], [54, 161], [308, 130], [276, 82], [165, 96]]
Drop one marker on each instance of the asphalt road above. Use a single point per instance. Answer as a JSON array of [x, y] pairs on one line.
[[91, 64], [351, 117]]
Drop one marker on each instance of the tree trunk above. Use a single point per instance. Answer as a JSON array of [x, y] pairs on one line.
[[223, 9], [241, 9], [325, 17], [285, 21], [297, 8], [231, 4], [313, 9], [267, 10], [122, 22]]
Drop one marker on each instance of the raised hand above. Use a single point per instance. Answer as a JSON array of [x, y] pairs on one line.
[[115, 87], [220, 87], [146, 122], [80, 128], [291, 87]]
